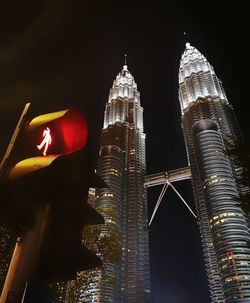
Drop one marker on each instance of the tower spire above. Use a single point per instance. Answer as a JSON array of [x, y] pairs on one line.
[[125, 67]]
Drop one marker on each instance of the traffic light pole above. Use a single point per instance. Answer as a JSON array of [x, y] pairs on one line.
[[27, 247], [24, 259], [16, 255], [14, 136]]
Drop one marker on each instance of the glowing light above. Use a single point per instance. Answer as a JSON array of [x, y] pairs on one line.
[[47, 140], [73, 131], [30, 165]]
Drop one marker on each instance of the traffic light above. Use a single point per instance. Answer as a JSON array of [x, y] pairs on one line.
[[51, 164], [46, 137], [62, 253]]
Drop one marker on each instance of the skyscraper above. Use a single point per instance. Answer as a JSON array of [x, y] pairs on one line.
[[209, 126], [122, 166]]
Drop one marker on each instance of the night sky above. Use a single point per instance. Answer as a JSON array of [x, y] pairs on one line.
[[66, 53]]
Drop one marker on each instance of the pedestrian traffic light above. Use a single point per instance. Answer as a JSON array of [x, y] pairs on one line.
[[46, 137], [51, 163], [31, 173]]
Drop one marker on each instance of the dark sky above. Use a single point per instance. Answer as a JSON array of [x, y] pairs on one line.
[[66, 53]]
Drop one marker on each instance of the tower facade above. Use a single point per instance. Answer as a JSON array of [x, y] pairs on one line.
[[122, 166], [209, 127]]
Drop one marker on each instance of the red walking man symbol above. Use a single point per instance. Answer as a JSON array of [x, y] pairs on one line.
[[46, 141]]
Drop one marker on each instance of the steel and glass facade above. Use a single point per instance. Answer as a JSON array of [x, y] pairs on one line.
[[122, 165], [209, 125]]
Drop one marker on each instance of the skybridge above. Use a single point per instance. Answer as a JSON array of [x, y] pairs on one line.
[[166, 179], [174, 175]]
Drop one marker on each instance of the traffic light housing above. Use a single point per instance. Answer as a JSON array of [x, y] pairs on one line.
[[51, 163], [46, 137]]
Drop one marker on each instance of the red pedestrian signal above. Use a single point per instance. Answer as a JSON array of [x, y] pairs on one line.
[[47, 140], [61, 132]]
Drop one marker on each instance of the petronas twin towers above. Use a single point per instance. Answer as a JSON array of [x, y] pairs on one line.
[[208, 125]]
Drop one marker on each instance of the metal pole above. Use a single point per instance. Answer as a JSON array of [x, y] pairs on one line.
[[164, 188], [24, 293], [14, 136], [24, 259], [169, 183], [18, 127]]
